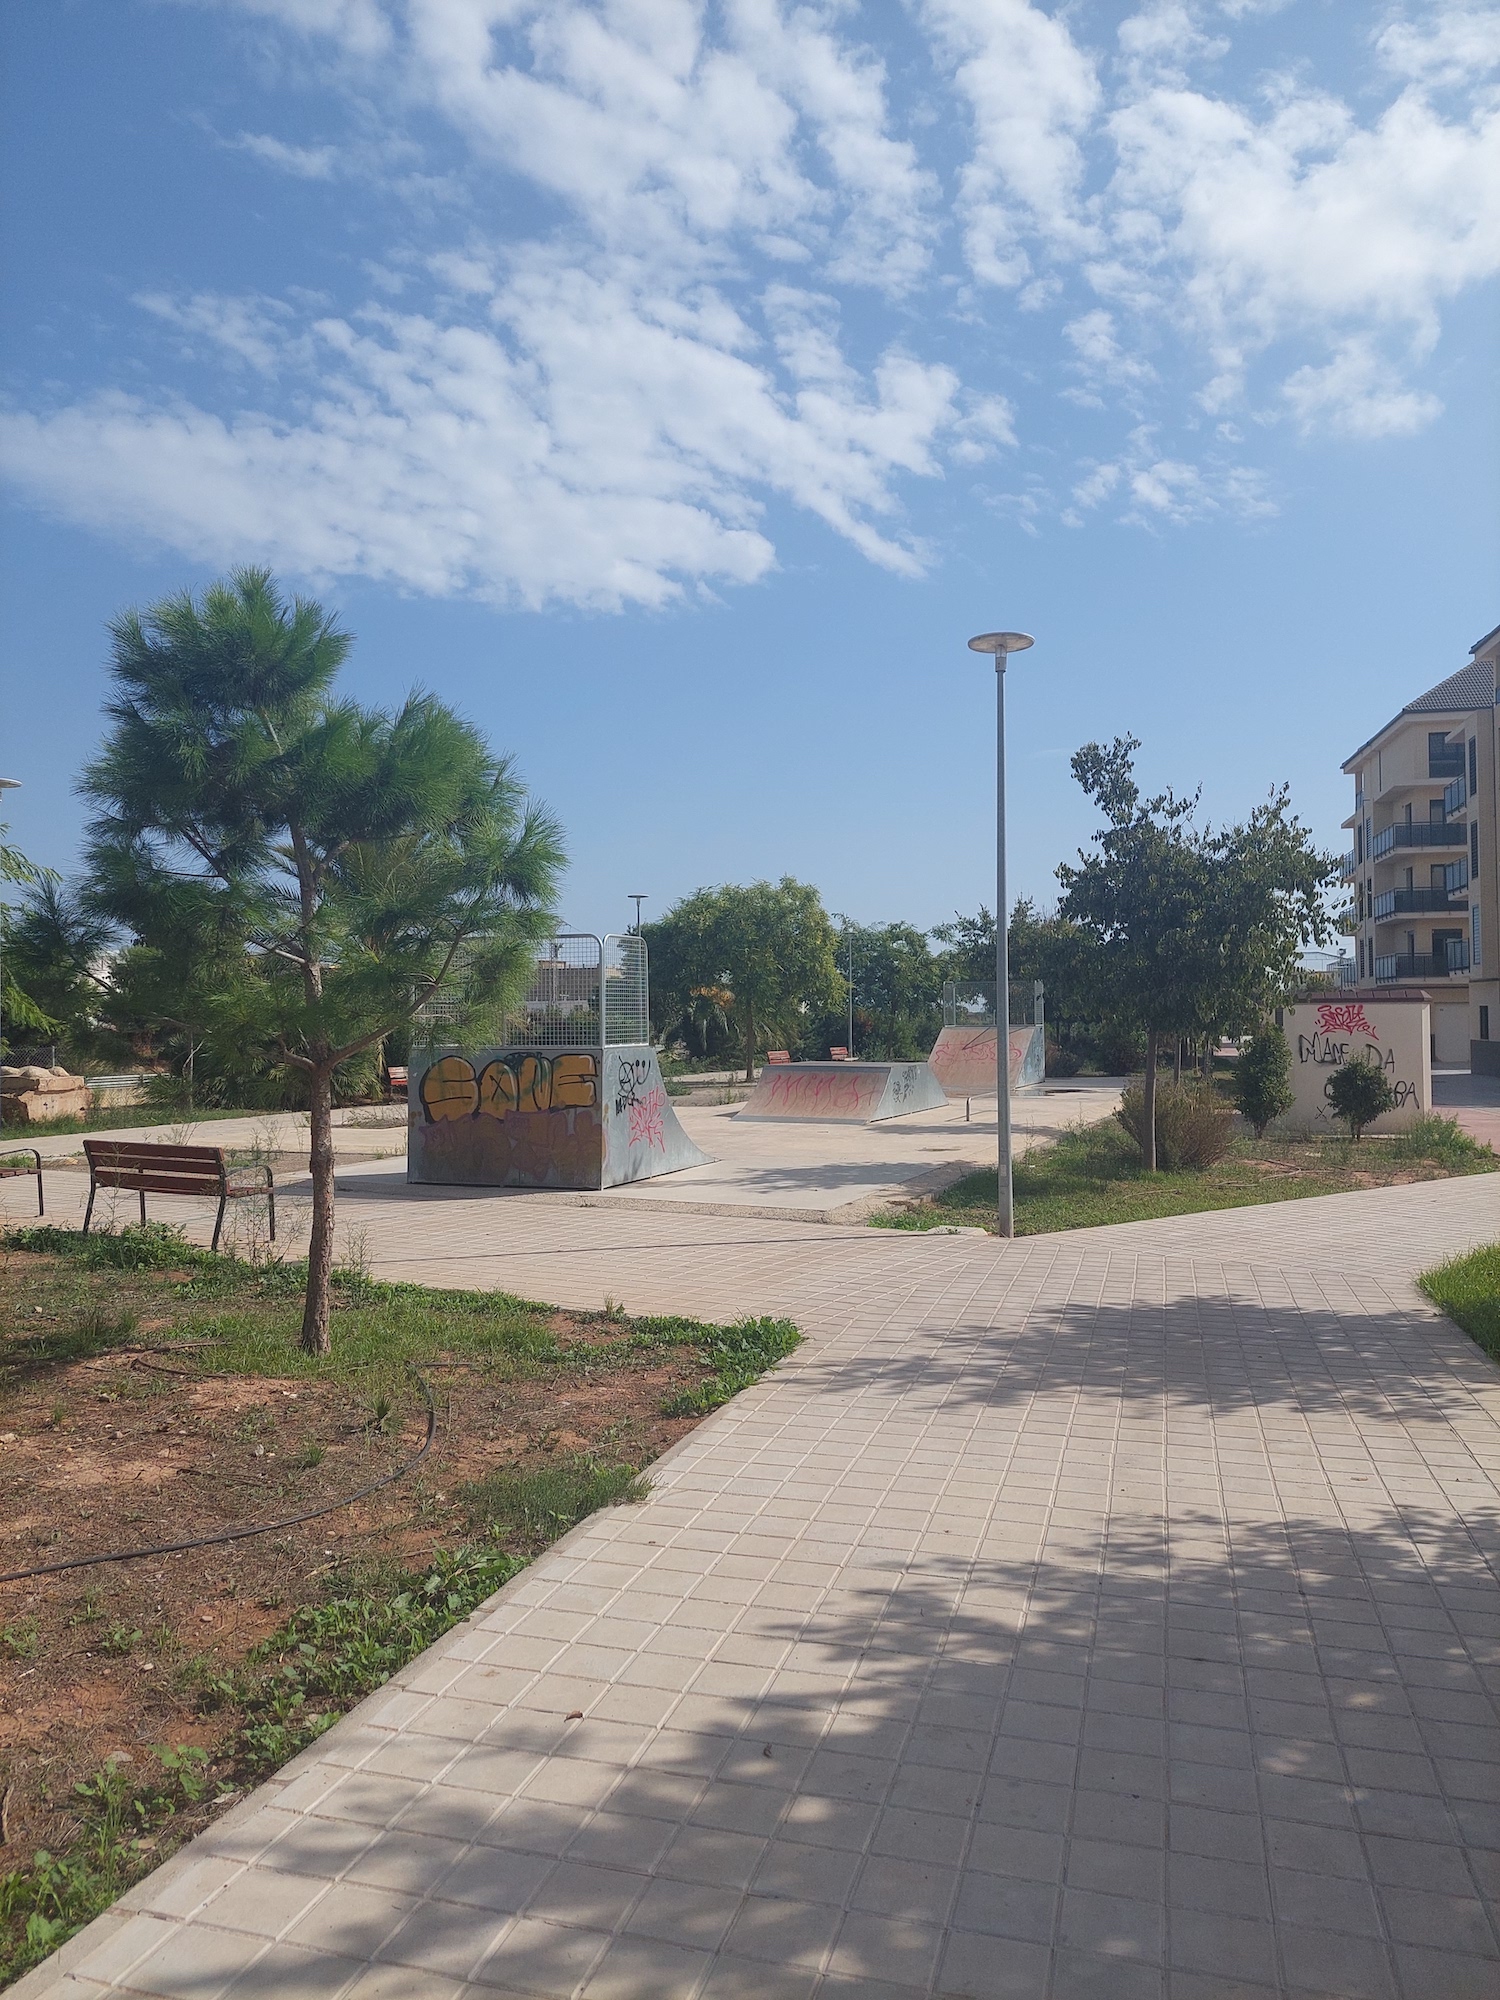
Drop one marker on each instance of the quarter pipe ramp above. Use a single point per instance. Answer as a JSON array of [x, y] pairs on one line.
[[571, 1117], [963, 1059], [849, 1093]]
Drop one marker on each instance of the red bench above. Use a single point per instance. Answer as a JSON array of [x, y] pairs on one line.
[[778, 1056], [838, 1055], [150, 1169], [10, 1165]]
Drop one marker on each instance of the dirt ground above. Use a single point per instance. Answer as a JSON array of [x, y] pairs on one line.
[[146, 1443]]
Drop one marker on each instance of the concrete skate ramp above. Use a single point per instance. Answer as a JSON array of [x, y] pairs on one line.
[[847, 1093], [577, 1118], [963, 1059]]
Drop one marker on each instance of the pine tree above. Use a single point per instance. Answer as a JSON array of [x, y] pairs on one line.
[[312, 870]]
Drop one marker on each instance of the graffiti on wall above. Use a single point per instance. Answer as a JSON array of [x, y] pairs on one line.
[[519, 1082], [1342, 1032]]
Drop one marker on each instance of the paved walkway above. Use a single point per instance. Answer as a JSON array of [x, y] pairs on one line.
[[1113, 1614]]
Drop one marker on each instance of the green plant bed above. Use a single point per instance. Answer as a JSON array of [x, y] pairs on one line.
[[1093, 1177], [1468, 1290]]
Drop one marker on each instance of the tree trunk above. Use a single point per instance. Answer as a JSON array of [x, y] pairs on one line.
[[1148, 1120], [316, 1338], [1177, 1061], [749, 1045]]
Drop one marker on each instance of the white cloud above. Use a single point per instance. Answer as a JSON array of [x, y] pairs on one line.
[[1032, 95], [592, 442], [1452, 45], [308, 163], [1360, 394]]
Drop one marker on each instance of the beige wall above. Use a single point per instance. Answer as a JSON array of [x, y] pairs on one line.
[[1322, 1034]]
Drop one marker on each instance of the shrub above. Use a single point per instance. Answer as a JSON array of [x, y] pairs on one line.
[[1062, 1061], [1119, 1051], [1192, 1123], [1263, 1079], [1359, 1092]]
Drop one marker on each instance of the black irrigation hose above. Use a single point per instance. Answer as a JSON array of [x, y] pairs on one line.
[[240, 1534]]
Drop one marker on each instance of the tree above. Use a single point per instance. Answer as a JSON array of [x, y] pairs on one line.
[[17, 1005], [769, 947], [1359, 1091], [1263, 1078], [1196, 932], [309, 872], [897, 994]]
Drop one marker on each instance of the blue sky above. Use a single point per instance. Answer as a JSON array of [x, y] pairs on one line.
[[676, 388]]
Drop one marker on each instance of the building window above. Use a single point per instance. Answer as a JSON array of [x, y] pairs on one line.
[[1484, 1024], [1359, 843], [1444, 759], [1476, 956], [1473, 765], [1474, 850]]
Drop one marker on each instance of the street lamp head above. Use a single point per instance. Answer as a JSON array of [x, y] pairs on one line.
[[1001, 643]]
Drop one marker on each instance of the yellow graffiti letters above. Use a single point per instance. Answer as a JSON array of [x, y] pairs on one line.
[[449, 1089]]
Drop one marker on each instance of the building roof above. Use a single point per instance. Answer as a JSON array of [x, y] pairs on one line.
[[1488, 639], [1471, 687]]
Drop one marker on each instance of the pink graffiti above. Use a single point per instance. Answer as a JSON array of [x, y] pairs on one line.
[[801, 1092], [1344, 1018], [646, 1120]]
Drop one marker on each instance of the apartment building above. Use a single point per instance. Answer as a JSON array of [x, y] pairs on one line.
[[1423, 867]]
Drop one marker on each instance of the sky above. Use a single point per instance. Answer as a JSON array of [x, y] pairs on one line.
[[676, 388]]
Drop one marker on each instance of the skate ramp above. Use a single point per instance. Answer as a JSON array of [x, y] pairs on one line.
[[567, 1118], [845, 1093], [963, 1059]]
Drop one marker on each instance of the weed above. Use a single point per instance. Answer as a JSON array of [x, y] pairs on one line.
[[22, 1638], [90, 1607], [536, 1507], [1443, 1140], [309, 1456], [120, 1639]]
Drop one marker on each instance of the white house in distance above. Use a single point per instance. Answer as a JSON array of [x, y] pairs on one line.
[[1425, 860]]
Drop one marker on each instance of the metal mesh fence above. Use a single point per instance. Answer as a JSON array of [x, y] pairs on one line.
[[626, 989], [583, 989], [562, 1001], [970, 1003]]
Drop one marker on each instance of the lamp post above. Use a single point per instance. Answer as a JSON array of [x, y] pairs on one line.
[[632, 897], [1002, 645]]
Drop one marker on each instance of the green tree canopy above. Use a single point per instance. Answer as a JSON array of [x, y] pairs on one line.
[[1193, 931], [309, 871], [19, 1006], [769, 951]]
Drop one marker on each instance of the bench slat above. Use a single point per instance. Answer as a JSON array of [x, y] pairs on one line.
[[117, 1152], [160, 1183]]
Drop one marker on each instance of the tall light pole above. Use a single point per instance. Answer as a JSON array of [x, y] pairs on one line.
[[632, 897], [1002, 645]]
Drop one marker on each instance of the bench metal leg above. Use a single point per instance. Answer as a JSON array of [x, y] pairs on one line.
[[271, 1199], [41, 1206], [218, 1224], [88, 1213], [143, 1207]]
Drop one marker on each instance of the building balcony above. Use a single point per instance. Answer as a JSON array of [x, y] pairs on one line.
[[1422, 964], [1393, 903], [1418, 833], [1348, 972], [1455, 796], [1348, 867]]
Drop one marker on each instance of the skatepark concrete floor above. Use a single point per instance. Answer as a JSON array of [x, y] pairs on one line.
[[778, 1171]]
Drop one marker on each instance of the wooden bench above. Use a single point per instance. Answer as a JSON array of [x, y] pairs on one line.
[[10, 1165], [778, 1056], [150, 1169], [395, 1082], [838, 1055]]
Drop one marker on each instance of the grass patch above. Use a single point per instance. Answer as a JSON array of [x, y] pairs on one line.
[[145, 1378], [1093, 1176], [1468, 1290]]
